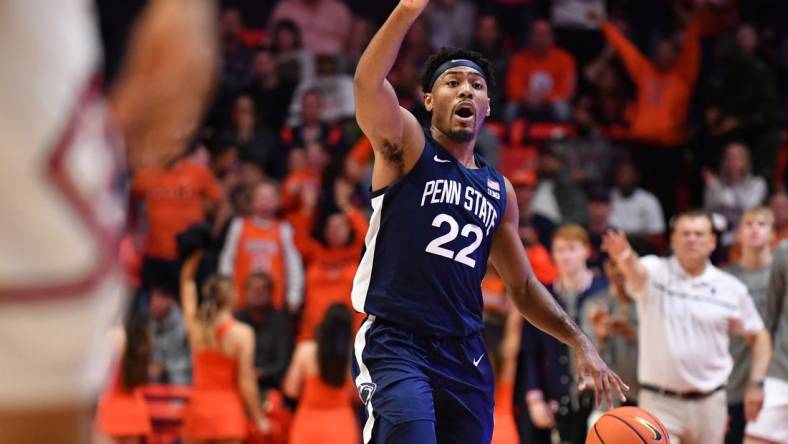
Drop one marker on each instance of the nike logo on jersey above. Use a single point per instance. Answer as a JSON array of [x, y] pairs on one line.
[[477, 361], [438, 159]]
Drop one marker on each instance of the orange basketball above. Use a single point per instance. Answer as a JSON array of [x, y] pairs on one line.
[[628, 425]]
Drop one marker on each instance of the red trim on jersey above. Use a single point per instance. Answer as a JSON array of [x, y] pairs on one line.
[[104, 238]]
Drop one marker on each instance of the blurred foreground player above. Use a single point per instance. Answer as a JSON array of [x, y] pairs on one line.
[[60, 289], [439, 212]]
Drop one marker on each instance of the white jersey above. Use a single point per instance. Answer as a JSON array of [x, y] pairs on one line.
[[59, 217]]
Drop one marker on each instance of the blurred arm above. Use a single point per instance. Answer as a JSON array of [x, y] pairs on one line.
[[165, 82]]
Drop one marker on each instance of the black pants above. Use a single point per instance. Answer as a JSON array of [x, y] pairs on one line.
[[737, 423]]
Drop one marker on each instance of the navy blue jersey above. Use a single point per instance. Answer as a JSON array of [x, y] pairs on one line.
[[427, 246]]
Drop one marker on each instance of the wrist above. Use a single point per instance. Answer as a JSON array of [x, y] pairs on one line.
[[756, 383]]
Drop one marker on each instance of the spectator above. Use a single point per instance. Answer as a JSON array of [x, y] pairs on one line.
[[331, 262], [417, 47], [324, 24], [778, 203], [451, 22], [263, 242], [599, 209], [502, 334], [770, 423], [270, 92], [755, 237], [552, 397], [310, 126], [604, 104], [540, 80], [634, 210], [741, 103], [294, 63], [589, 157], [688, 309], [575, 29], [319, 376], [611, 319], [663, 90], [170, 358], [488, 41], [734, 190], [174, 198], [224, 373], [540, 228], [301, 188], [236, 62], [122, 415], [254, 145], [336, 93], [557, 198], [273, 331]]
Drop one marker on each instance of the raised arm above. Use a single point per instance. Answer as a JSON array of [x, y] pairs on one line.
[[615, 244], [189, 289], [635, 62], [247, 379], [539, 307], [396, 136]]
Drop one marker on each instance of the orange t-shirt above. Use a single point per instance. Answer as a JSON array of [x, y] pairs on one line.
[[174, 200], [660, 111], [329, 275], [553, 73], [250, 248], [541, 263]]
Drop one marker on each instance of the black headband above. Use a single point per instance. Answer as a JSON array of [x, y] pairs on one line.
[[453, 64]]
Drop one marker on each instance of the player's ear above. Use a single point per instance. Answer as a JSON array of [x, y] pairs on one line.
[[489, 107], [428, 102]]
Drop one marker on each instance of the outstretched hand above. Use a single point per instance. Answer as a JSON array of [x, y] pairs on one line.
[[593, 372], [615, 243]]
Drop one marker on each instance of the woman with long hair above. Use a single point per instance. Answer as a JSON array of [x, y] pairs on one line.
[[319, 376], [502, 337], [122, 415], [223, 353]]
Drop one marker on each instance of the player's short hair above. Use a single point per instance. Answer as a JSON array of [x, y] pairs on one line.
[[762, 211], [445, 54], [572, 232]]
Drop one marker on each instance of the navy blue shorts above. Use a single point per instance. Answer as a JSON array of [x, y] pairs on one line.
[[443, 387]]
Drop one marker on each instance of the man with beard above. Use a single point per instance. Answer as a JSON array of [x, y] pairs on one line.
[[439, 212]]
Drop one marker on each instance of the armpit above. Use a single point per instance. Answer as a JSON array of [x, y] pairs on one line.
[[392, 153]]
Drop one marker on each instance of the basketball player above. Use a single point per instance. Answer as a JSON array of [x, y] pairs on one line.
[[60, 288], [439, 212]]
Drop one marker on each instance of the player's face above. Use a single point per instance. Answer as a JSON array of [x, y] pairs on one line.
[[755, 231], [570, 255], [693, 240], [459, 103]]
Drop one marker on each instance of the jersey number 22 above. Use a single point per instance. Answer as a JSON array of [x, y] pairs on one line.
[[436, 245]]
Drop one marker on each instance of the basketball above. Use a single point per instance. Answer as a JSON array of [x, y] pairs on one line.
[[627, 425]]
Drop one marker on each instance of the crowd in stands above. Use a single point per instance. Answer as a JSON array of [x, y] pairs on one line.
[[607, 114]]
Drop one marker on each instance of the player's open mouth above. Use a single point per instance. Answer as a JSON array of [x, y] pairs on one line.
[[464, 111]]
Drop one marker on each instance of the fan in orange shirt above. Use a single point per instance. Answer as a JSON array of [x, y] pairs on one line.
[[331, 265], [174, 198], [541, 78], [263, 242]]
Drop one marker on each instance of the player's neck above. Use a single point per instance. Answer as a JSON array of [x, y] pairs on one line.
[[462, 151], [755, 258]]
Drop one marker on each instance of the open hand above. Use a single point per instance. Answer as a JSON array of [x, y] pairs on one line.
[[593, 371], [615, 243]]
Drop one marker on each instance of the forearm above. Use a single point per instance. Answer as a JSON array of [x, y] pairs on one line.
[[251, 399], [539, 308], [633, 271], [381, 53], [761, 355]]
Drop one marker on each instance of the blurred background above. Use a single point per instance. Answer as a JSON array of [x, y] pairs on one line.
[[607, 114]]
